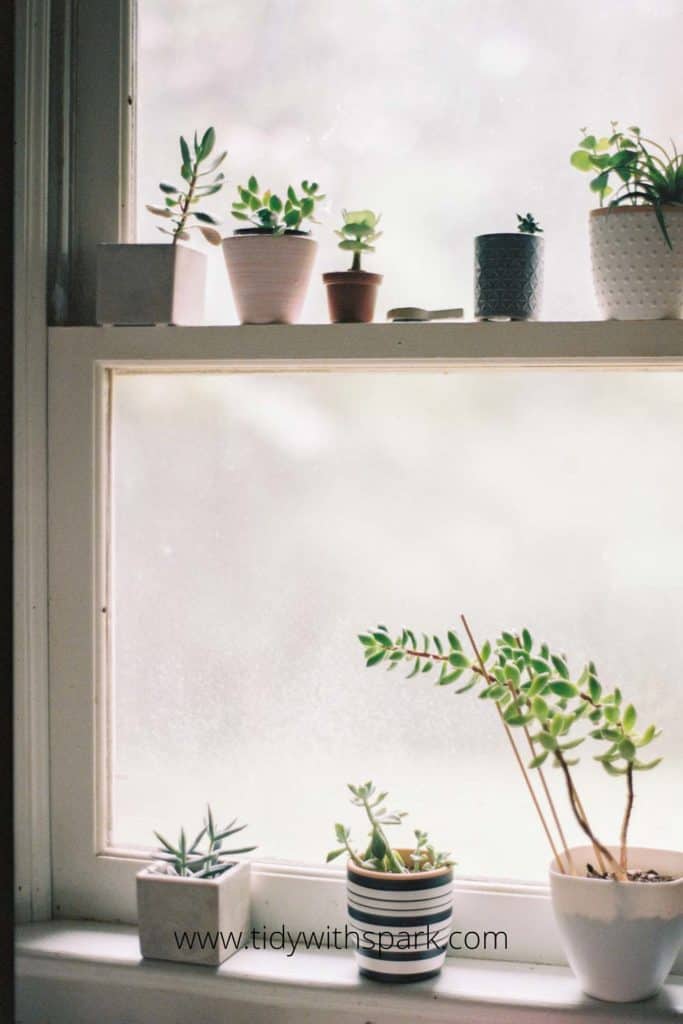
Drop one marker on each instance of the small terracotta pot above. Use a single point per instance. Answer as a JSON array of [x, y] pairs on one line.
[[269, 274], [351, 296]]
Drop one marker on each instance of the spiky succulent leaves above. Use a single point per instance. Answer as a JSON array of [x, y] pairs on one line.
[[358, 233], [268, 211], [190, 860], [528, 225], [645, 173], [179, 206]]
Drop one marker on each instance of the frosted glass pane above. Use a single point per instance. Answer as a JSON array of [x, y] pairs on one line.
[[447, 117], [261, 521]]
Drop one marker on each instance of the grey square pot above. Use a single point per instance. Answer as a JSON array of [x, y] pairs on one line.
[[205, 910], [150, 284]]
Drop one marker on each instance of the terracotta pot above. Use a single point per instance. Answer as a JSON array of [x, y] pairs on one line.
[[635, 274], [403, 921], [351, 296], [621, 938], [269, 274]]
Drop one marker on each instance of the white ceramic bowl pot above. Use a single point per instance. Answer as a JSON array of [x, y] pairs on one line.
[[403, 922], [269, 274], [621, 938], [635, 273]]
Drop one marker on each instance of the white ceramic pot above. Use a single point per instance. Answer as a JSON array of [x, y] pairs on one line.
[[269, 275], [150, 284], [403, 922], [207, 911], [621, 938], [635, 273]]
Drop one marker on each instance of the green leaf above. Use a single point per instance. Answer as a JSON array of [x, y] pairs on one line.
[[374, 659], [367, 641], [459, 660], [454, 641], [307, 207], [560, 666], [547, 742], [485, 652], [205, 218], [612, 713], [629, 718], [494, 692], [170, 190], [468, 686], [537, 761], [594, 689], [563, 689], [382, 639], [627, 749], [539, 665], [252, 184], [292, 218], [646, 766], [647, 736], [185, 153], [539, 708], [275, 204], [572, 743], [437, 644], [611, 770], [377, 845], [527, 641], [207, 143], [239, 216], [334, 853], [589, 142]]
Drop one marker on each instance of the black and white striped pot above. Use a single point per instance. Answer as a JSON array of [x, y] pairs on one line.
[[403, 922]]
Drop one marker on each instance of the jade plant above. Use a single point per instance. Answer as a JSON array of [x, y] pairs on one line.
[[536, 694], [633, 169], [180, 201], [203, 857], [528, 225], [357, 233], [379, 854], [271, 213]]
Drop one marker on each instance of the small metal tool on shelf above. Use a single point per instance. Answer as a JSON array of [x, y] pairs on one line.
[[412, 314]]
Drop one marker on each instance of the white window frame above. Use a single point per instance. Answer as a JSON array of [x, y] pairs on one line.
[[93, 880], [63, 867]]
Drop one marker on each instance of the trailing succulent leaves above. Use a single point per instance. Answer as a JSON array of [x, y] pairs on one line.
[[358, 233], [533, 688], [644, 172], [268, 211], [203, 857], [180, 202], [528, 225], [379, 855]]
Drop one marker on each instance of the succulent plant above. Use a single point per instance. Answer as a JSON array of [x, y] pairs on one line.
[[268, 211], [644, 172], [379, 855], [179, 202], [528, 224], [534, 691], [358, 232], [203, 857]]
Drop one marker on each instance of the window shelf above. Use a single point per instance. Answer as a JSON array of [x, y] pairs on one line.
[[636, 344], [93, 972]]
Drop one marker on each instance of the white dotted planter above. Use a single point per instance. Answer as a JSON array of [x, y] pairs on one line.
[[635, 273]]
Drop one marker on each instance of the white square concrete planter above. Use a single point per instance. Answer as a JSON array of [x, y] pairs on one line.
[[205, 910], [150, 284]]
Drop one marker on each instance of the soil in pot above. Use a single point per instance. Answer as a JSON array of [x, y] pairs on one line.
[[352, 296]]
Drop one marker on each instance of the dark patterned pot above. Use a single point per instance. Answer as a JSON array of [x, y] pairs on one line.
[[508, 276], [403, 922]]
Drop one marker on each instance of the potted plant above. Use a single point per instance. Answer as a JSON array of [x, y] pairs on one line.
[[619, 909], [637, 240], [399, 899], [270, 263], [352, 293], [165, 284], [193, 902], [508, 273]]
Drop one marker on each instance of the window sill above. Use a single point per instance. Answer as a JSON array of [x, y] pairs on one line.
[[94, 972]]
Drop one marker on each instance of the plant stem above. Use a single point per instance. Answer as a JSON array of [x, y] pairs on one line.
[[623, 859], [397, 864], [583, 820], [518, 757], [185, 206], [356, 261]]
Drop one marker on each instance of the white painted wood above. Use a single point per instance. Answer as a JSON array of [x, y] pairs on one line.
[[31, 766], [93, 974], [90, 879]]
